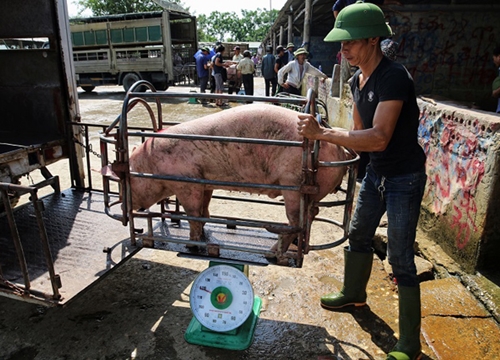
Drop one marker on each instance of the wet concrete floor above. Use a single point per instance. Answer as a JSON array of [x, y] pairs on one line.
[[141, 310]]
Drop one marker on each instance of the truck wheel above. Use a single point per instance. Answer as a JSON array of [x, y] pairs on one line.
[[161, 85], [130, 79], [88, 88]]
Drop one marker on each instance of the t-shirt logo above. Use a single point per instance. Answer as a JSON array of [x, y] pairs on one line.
[[370, 96]]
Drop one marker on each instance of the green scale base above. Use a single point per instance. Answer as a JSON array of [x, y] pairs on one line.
[[238, 339]]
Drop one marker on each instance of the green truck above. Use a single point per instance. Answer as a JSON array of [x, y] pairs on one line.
[[122, 49]]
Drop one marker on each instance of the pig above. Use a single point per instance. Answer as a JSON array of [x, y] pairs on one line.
[[233, 162]]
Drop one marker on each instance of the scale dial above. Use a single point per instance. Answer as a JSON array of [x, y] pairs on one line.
[[221, 298]]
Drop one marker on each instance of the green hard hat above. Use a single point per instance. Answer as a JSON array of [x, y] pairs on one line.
[[359, 21]]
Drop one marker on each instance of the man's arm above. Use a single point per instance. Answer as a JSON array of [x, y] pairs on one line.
[[496, 93], [374, 139], [281, 74]]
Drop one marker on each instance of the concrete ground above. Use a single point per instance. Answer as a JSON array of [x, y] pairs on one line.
[[141, 309]]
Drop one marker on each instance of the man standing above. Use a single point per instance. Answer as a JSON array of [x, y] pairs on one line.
[[496, 83], [202, 68], [281, 60], [268, 62], [296, 71], [386, 119], [237, 57], [218, 66], [247, 68], [289, 52]]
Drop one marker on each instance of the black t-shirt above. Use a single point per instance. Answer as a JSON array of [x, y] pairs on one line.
[[281, 61], [391, 81], [217, 68]]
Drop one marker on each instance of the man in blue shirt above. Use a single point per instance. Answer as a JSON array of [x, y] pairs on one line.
[[202, 68], [268, 72]]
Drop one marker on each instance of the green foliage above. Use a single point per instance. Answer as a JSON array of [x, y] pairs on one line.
[[251, 25], [109, 7]]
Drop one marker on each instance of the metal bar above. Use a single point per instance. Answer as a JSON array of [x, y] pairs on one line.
[[87, 153], [54, 278], [234, 98], [16, 238], [218, 139], [275, 226], [214, 182]]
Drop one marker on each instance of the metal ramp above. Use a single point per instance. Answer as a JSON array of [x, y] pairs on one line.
[[83, 245]]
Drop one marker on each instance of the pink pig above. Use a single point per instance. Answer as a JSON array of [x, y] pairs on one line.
[[232, 162]]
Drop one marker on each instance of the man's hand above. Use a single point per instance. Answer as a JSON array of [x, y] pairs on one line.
[[309, 127]]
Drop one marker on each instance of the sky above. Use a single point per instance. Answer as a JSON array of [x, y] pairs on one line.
[[198, 7]]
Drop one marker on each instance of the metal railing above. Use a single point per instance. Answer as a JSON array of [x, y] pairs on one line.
[[118, 133]]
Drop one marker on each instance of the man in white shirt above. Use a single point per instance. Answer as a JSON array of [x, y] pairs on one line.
[[296, 71]]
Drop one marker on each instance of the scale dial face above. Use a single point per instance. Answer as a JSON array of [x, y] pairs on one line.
[[221, 298]]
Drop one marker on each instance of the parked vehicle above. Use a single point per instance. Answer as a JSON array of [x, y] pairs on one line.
[[122, 49], [37, 95]]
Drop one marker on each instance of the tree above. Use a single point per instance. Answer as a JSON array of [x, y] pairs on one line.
[[251, 25], [109, 7]]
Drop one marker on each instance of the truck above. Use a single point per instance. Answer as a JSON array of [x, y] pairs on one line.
[[122, 49], [37, 92]]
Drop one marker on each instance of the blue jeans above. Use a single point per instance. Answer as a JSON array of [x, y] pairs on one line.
[[400, 196]]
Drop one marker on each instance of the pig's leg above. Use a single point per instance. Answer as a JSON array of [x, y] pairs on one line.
[[195, 202], [207, 196], [292, 207]]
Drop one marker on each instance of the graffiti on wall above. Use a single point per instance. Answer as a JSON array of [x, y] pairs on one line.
[[456, 149], [448, 53]]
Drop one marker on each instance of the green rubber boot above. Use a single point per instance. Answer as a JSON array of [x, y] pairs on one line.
[[408, 346], [357, 270]]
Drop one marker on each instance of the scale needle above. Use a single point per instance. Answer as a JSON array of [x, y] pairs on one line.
[[204, 288]]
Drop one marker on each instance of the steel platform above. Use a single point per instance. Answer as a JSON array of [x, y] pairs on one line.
[[84, 242]]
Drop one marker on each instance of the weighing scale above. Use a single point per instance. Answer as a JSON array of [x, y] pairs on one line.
[[224, 307]]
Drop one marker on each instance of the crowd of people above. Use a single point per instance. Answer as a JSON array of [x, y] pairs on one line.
[[282, 71]]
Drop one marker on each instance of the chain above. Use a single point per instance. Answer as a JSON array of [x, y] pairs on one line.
[[88, 147]]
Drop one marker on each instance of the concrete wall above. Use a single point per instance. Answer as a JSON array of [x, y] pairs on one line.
[[446, 48], [461, 205]]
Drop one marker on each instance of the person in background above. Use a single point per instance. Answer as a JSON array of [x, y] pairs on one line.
[[340, 4], [268, 62], [281, 61], [255, 59], [211, 71], [218, 65], [496, 83], [237, 55], [289, 52], [246, 68], [296, 71], [386, 119], [202, 68]]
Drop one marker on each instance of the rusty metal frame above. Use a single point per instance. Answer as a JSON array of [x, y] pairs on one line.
[[26, 292], [117, 135]]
